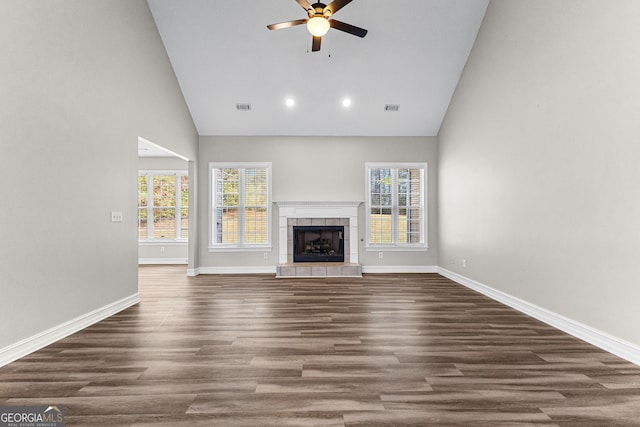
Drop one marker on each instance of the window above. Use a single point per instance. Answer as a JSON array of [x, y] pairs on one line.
[[396, 206], [163, 206], [241, 205]]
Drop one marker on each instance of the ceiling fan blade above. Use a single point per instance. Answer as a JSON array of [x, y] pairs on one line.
[[347, 28], [305, 4], [315, 45], [287, 24], [336, 5]]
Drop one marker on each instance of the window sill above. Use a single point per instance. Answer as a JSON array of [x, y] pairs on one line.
[[163, 242], [240, 248], [396, 248]]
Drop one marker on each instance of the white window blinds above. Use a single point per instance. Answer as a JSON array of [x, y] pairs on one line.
[[395, 205], [241, 209]]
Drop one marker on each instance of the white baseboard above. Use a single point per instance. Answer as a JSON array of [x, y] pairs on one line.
[[385, 269], [270, 269], [45, 338], [267, 269], [161, 261], [610, 343]]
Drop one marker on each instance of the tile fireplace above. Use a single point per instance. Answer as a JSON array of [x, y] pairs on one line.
[[327, 228]]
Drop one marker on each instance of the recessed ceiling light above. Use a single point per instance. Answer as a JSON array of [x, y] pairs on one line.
[[290, 102], [346, 102]]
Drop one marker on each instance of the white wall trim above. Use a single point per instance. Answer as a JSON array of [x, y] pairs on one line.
[[385, 269], [163, 243], [160, 261], [610, 343], [45, 338], [267, 269], [373, 269]]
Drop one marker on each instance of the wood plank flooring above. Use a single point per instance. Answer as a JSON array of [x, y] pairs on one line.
[[393, 350]]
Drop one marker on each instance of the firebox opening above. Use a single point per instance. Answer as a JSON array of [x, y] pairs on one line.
[[322, 243]]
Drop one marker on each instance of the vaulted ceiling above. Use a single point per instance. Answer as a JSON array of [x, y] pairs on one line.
[[224, 55]]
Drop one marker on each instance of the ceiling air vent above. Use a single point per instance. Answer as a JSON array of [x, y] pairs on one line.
[[243, 107], [391, 107]]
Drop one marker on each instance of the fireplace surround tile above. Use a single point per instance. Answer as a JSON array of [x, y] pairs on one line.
[[305, 221], [319, 271], [303, 270], [287, 271], [334, 271]]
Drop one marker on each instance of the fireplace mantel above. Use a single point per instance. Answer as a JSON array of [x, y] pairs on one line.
[[347, 204], [313, 209]]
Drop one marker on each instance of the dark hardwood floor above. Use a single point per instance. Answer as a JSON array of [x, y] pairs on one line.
[[394, 350]]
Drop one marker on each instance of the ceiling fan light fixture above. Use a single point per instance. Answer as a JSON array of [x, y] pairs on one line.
[[318, 22], [318, 26]]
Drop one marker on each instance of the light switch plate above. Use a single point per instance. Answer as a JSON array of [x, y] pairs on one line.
[[116, 217]]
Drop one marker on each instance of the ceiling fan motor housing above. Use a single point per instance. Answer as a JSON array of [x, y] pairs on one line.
[[319, 9]]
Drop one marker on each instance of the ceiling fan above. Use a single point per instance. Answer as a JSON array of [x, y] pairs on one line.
[[319, 23]]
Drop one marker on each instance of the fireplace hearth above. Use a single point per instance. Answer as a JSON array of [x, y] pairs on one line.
[[321, 243]]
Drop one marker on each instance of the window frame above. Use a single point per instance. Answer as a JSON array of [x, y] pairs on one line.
[[240, 246], [151, 240], [395, 245]]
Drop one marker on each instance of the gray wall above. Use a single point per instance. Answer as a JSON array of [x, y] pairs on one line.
[[162, 163], [539, 160], [80, 80], [317, 169]]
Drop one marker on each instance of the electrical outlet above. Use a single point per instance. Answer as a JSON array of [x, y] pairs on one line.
[[266, 255], [464, 263], [380, 255]]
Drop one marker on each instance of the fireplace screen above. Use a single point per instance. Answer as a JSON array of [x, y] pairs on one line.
[[318, 244]]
